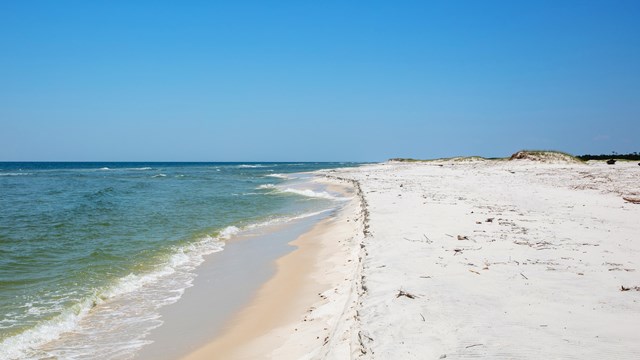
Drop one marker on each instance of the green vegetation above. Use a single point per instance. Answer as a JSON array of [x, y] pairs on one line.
[[630, 156], [539, 155], [544, 155], [405, 160]]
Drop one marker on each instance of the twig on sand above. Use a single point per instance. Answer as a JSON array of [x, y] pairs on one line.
[[470, 346], [426, 239], [631, 200], [404, 293], [635, 288], [521, 274], [423, 319]]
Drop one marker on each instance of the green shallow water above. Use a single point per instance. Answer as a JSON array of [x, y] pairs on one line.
[[73, 235]]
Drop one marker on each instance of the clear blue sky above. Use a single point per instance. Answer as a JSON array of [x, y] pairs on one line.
[[316, 80]]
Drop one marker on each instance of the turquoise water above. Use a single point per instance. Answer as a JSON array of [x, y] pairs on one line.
[[81, 242]]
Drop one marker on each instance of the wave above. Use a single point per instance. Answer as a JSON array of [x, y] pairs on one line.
[[228, 232], [124, 169], [283, 219], [133, 301], [302, 192], [244, 166], [286, 219], [149, 290], [279, 176], [16, 174], [266, 186], [159, 175], [313, 194]]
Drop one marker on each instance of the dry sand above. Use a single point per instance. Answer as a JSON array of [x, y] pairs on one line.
[[459, 259]]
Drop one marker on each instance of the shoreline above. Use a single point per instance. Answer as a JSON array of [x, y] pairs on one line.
[[286, 317], [225, 283], [455, 259]]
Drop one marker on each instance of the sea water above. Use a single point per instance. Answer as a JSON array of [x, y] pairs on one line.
[[96, 249]]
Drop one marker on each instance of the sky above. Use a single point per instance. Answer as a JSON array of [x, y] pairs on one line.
[[316, 80]]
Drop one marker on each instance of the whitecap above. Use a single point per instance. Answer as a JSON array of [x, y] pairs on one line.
[[266, 186], [286, 219], [15, 174], [313, 194], [152, 290], [229, 231], [279, 176]]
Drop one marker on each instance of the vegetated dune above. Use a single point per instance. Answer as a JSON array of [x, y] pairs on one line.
[[545, 156]]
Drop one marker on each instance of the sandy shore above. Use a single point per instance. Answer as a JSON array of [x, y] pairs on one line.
[[296, 312], [458, 259]]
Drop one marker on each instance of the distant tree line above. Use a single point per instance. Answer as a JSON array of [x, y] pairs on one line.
[[614, 155]]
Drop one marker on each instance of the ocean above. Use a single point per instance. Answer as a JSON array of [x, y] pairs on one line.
[[96, 249]]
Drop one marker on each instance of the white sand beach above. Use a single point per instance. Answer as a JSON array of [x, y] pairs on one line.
[[458, 259]]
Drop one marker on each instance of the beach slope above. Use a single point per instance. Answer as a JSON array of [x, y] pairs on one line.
[[457, 259]]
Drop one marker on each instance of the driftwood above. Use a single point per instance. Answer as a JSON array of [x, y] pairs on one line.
[[635, 288], [631, 200], [406, 294]]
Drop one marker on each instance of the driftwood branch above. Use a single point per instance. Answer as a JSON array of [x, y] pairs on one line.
[[406, 294], [624, 288]]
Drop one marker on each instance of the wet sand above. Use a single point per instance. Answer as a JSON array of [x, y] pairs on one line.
[[226, 282]]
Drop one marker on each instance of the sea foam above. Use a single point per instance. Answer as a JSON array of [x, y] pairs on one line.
[[138, 295], [314, 194], [279, 176], [15, 174], [138, 298], [266, 186]]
